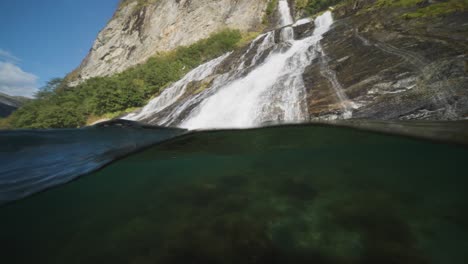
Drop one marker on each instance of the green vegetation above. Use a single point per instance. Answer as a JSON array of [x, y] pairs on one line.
[[271, 8], [397, 3], [5, 123], [247, 37], [311, 7], [439, 9], [301, 4], [59, 106], [423, 9]]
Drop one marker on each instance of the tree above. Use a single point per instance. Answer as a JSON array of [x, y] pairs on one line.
[[52, 86]]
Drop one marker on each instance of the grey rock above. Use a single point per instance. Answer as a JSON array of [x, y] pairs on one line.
[[136, 33], [418, 73]]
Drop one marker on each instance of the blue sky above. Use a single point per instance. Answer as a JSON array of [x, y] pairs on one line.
[[43, 39]]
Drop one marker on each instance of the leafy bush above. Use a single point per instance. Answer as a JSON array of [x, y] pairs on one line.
[[59, 106], [5, 123], [301, 4], [271, 8]]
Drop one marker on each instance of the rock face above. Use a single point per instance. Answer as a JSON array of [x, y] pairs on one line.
[[139, 30], [372, 63], [9, 104], [392, 68]]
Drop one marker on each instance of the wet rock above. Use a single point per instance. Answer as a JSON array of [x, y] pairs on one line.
[[304, 30], [371, 64], [391, 68]]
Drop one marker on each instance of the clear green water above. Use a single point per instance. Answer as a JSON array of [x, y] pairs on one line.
[[298, 194]]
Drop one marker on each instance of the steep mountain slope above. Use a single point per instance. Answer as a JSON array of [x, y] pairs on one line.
[[140, 29], [391, 65], [372, 59], [8, 104], [367, 59]]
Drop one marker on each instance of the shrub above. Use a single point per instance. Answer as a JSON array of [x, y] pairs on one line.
[[59, 106]]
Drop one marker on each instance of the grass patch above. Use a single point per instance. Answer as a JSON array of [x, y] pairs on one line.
[[397, 3], [439, 9]]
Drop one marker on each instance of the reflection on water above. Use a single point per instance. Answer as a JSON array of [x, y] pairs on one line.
[[34, 160], [297, 194]]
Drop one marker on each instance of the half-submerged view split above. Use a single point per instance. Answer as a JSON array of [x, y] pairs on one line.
[[235, 131]]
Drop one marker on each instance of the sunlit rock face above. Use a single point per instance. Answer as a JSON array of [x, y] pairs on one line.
[[392, 68], [138, 31], [338, 66], [357, 60]]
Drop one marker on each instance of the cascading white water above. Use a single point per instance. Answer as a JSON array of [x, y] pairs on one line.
[[287, 34], [172, 93], [251, 46], [269, 88], [268, 42], [302, 21], [346, 104], [285, 13], [286, 20], [323, 24], [272, 91]]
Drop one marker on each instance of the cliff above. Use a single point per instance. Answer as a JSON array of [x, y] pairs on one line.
[[386, 60], [140, 29], [8, 104], [394, 60], [301, 61]]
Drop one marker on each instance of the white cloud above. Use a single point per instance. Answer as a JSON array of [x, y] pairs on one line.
[[7, 56], [14, 81]]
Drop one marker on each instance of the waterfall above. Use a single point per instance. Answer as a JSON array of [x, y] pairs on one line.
[[286, 20], [268, 42], [285, 13], [265, 84], [346, 104], [302, 21], [251, 46], [175, 91], [287, 34], [273, 91]]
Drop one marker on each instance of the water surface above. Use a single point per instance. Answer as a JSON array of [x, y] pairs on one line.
[[34, 160], [291, 194]]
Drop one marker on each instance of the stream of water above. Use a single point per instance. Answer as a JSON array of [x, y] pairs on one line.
[[269, 88]]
